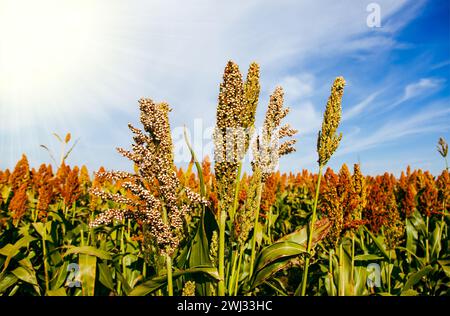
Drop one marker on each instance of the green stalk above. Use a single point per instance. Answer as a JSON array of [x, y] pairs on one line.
[[241, 252], [144, 270], [255, 227], [82, 238], [122, 247], [313, 222], [427, 250], [44, 250], [352, 273], [232, 214], [168, 260], [233, 273], [169, 275], [341, 277], [389, 273], [236, 192], [222, 222], [269, 224], [330, 268]]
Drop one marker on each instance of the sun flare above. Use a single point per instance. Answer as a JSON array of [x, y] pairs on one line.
[[44, 46]]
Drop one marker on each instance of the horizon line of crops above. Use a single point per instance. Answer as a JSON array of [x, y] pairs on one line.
[[162, 231]]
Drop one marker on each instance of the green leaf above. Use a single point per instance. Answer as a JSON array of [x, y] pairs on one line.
[[58, 137], [58, 292], [7, 281], [87, 264], [436, 242], [88, 250], [265, 273], [11, 251], [411, 236], [378, 243], [60, 277], [409, 292], [273, 258], [197, 165], [367, 257], [27, 276], [70, 150], [199, 256], [300, 236], [157, 282], [125, 286], [43, 229], [105, 276], [445, 265], [418, 222], [416, 277]]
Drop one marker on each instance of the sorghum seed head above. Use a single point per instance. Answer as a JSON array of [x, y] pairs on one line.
[[328, 140]]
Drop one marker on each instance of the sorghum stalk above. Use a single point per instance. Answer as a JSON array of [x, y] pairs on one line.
[[311, 230], [389, 273], [168, 259], [327, 143], [255, 228], [241, 252], [222, 222], [44, 250], [233, 273], [236, 192], [169, 275], [353, 259], [330, 271], [427, 250], [341, 272], [266, 153], [235, 116]]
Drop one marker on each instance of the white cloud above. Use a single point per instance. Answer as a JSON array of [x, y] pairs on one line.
[[414, 89], [360, 107], [305, 118], [424, 86], [432, 119], [298, 87]]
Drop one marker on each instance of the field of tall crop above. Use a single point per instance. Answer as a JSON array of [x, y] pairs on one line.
[[214, 229]]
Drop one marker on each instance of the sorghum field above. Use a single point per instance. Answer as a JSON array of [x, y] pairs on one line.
[[214, 229]]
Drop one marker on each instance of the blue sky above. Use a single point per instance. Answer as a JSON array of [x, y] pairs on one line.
[[396, 103]]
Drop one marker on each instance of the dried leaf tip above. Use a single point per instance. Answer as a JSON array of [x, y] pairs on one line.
[[442, 147]]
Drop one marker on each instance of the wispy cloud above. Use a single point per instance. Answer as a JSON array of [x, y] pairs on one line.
[[360, 107], [298, 87], [434, 118], [424, 86]]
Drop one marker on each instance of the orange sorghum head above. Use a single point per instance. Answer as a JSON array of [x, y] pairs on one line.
[[18, 204], [330, 204], [21, 173], [428, 203]]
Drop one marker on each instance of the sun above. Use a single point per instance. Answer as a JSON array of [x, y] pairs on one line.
[[45, 47]]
